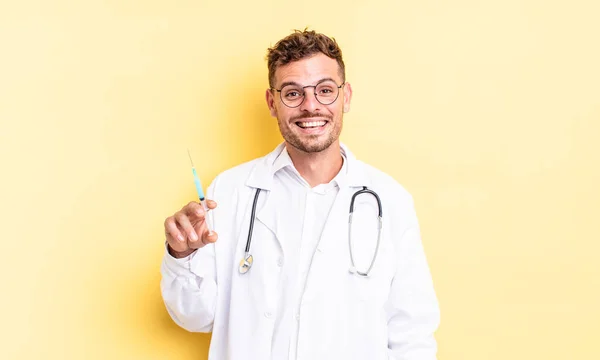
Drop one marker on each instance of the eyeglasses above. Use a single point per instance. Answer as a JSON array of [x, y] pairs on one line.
[[293, 95]]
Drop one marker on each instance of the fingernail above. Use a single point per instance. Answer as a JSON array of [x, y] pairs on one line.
[[194, 236], [180, 237]]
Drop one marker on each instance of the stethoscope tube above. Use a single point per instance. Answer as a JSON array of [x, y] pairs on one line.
[[247, 261], [353, 269], [368, 191], [252, 222]]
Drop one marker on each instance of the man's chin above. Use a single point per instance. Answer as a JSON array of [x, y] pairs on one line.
[[312, 147]]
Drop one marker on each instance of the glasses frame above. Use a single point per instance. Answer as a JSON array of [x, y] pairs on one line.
[[315, 93]]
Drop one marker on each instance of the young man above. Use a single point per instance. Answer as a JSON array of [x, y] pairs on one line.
[[285, 272]]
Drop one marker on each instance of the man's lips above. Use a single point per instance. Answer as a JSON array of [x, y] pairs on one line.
[[311, 123]]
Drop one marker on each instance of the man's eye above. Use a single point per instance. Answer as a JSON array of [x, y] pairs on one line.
[[292, 94]]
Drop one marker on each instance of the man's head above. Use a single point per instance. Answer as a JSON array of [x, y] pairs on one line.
[[301, 65]]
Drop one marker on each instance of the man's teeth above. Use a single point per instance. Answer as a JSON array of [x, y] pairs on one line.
[[307, 124]]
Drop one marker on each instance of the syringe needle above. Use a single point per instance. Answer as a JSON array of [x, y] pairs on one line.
[[190, 156]]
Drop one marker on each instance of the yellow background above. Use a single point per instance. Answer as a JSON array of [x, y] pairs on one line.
[[487, 111]]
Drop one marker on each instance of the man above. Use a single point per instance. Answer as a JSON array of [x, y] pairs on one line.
[[276, 271]]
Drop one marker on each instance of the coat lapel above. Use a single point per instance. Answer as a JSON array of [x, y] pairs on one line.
[[261, 177], [268, 215]]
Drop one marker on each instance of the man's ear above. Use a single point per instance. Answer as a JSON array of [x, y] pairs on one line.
[[271, 102], [347, 96]]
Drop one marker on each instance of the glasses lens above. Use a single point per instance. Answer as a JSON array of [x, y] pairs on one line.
[[292, 95], [327, 92]]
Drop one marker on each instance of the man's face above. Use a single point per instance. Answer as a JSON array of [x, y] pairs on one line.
[[310, 127]]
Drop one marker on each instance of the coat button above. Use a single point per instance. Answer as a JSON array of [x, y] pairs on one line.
[[268, 315], [280, 262]]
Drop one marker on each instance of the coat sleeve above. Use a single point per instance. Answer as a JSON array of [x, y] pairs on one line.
[[189, 285], [412, 308]]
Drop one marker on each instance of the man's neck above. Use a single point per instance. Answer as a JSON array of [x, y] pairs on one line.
[[317, 168]]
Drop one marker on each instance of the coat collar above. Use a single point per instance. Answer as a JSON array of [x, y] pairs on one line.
[[262, 174]]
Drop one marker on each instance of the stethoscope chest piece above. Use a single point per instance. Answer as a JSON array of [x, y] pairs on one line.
[[246, 263]]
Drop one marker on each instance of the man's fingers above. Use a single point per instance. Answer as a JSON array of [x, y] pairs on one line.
[[174, 237], [172, 230], [205, 239], [211, 204], [194, 211], [186, 226], [209, 239]]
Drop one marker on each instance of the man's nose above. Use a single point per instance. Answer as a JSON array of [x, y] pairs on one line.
[[310, 102]]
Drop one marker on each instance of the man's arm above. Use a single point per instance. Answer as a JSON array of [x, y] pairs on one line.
[[413, 310], [189, 283]]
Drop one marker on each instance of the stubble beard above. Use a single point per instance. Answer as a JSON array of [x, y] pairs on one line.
[[310, 144]]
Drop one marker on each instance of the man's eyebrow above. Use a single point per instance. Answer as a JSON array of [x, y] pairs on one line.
[[289, 83], [300, 85]]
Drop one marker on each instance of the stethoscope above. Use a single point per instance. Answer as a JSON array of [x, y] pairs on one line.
[[246, 262]]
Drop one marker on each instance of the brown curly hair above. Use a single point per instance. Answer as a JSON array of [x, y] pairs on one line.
[[299, 45]]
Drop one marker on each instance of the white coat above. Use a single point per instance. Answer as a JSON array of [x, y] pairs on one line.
[[392, 314]]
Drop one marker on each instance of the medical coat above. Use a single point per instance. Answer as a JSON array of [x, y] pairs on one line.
[[391, 314]]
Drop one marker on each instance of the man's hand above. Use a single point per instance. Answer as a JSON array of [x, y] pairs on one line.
[[187, 231]]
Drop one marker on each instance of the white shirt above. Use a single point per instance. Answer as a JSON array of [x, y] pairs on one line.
[[298, 300], [304, 222]]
